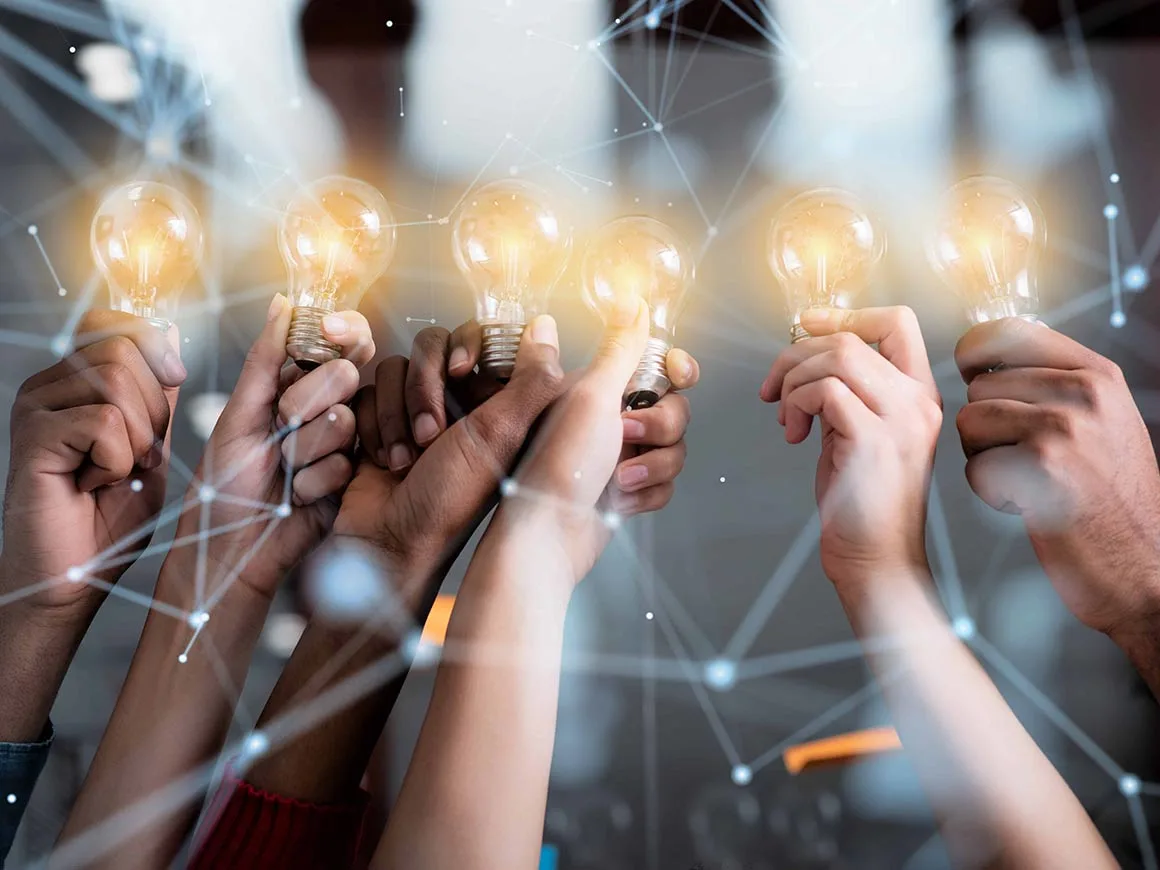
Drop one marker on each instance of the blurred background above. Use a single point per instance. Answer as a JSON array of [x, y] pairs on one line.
[[708, 640]]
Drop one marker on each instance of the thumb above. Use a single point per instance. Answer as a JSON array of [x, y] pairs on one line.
[[257, 388], [621, 346]]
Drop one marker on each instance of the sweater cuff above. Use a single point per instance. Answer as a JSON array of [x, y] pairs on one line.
[[256, 829]]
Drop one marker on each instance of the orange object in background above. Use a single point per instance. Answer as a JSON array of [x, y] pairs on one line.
[[841, 749], [435, 629]]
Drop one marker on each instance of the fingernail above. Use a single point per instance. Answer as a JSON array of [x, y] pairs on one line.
[[425, 428], [399, 457], [276, 306], [625, 310], [544, 331], [686, 367], [332, 324], [633, 429], [174, 369], [458, 359], [631, 475]]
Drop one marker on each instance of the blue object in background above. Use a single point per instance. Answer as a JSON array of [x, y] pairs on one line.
[[549, 858]]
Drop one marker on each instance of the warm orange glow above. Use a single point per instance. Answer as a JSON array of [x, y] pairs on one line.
[[435, 629], [841, 749]]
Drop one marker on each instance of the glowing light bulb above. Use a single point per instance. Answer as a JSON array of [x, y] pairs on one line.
[[986, 245], [337, 238], [641, 257], [822, 248], [146, 239], [510, 245]]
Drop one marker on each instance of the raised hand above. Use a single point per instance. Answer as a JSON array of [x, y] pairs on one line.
[[1051, 432], [880, 413]]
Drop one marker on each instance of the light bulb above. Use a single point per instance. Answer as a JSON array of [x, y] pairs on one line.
[[986, 245], [337, 238], [510, 245], [641, 257], [822, 248], [146, 239]]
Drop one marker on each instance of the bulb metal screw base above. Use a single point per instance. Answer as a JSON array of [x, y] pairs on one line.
[[159, 323], [305, 343], [650, 381], [797, 333], [501, 342]]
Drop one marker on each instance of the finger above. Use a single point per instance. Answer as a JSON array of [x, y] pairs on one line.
[[662, 425], [391, 411], [466, 346], [997, 422], [95, 433], [160, 350], [425, 385], [654, 498], [773, 389], [684, 372], [1002, 476], [620, 349], [367, 424], [257, 387], [894, 329], [332, 432], [108, 385], [352, 333], [329, 476], [790, 357], [874, 380], [651, 468], [1013, 343], [332, 383], [1034, 386], [835, 403]]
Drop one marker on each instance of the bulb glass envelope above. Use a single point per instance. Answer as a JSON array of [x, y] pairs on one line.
[[146, 239], [986, 246], [337, 238], [510, 246], [639, 256], [822, 248]]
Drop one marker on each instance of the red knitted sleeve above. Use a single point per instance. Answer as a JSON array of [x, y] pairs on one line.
[[253, 829]]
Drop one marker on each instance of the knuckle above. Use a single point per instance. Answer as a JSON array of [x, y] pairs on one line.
[[109, 417], [115, 380], [431, 338], [122, 350]]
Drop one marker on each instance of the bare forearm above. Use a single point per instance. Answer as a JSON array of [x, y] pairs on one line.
[[35, 652], [476, 791], [170, 719], [1000, 801]]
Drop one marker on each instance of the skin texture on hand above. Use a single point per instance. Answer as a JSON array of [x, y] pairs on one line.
[[420, 509], [1051, 431], [281, 439], [476, 791], [880, 413], [999, 801], [90, 448]]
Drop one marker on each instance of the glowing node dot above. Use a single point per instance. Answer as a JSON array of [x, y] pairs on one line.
[[721, 479], [11, 798], [72, 49], [136, 485], [648, 615], [33, 229], [721, 674], [659, 127], [198, 618], [183, 658], [577, 475], [75, 574], [295, 422], [593, 45], [332, 417], [1114, 178], [60, 291], [507, 135], [652, 21], [206, 493], [1117, 319], [282, 511], [964, 627], [390, 24], [742, 775], [256, 744], [508, 488], [1136, 277], [208, 102], [612, 520], [60, 345], [1111, 212], [713, 231], [1129, 784]]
